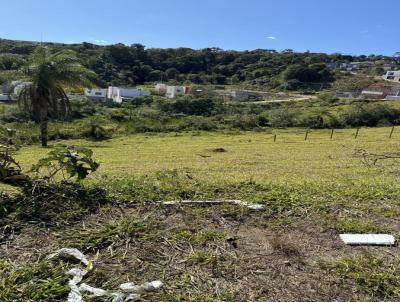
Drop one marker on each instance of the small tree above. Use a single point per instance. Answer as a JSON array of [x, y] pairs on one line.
[[44, 98]]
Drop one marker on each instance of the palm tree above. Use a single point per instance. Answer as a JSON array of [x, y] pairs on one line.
[[44, 97]]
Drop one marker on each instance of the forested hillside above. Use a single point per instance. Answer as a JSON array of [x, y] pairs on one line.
[[130, 65]]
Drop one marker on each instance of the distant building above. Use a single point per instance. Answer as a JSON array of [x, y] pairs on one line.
[[352, 66], [242, 95], [347, 94], [118, 95], [114, 94], [175, 91], [380, 91], [161, 89], [96, 94], [5, 98], [392, 76], [17, 87], [395, 97]]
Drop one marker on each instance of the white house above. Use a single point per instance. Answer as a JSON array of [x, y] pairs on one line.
[[395, 97], [5, 98], [114, 94], [96, 94], [161, 89], [392, 76], [118, 94], [175, 91], [18, 86]]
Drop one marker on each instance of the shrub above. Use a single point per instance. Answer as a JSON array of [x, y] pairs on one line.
[[282, 118], [190, 106], [96, 131], [246, 122], [70, 162], [370, 115]]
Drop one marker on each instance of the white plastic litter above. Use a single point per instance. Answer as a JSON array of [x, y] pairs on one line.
[[97, 292], [133, 297], [131, 292], [69, 253], [252, 206], [368, 239], [75, 294], [145, 287], [117, 297]]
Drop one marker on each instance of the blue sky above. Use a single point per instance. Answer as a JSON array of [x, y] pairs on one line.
[[345, 26]]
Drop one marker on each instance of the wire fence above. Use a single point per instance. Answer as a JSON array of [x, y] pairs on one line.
[[356, 134]]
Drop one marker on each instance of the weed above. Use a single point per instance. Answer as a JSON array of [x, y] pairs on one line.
[[202, 258], [374, 275], [53, 204], [115, 233], [43, 281], [360, 225]]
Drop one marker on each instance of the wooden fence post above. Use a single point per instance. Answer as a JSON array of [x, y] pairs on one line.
[[332, 133], [358, 130], [274, 138], [306, 135], [391, 132]]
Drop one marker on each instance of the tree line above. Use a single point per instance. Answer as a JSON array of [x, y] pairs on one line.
[[124, 65]]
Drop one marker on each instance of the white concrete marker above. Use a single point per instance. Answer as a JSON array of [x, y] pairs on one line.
[[368, 239]]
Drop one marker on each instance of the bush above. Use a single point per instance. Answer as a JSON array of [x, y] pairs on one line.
[[282, 118], [246, 122], [370, 115], [83, 108], [96, 131], [189, 106], [200, 123]]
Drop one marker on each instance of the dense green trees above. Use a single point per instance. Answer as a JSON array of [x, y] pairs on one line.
[[130, 65]]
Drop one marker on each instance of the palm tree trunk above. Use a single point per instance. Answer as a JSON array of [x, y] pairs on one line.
[[43, 132]]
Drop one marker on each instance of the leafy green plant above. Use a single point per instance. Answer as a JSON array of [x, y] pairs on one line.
[[70, 162], [9, 167]]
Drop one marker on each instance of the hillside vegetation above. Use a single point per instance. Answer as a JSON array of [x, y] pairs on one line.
[[131, 65]]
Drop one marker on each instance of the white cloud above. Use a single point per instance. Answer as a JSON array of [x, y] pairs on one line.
[[272, 38], [98, 41]]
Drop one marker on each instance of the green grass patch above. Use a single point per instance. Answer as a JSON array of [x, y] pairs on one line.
[[115, 233], [374, 275], [42, 281], [357, 225]]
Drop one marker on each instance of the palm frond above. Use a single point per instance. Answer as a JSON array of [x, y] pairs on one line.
[[50, 74]]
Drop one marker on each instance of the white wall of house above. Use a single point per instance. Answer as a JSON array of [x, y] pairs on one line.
[[96, 93], [18, 86], [393, 98], [4, 97], [175, 91], [392, 75], [161, 89], [117, 94]]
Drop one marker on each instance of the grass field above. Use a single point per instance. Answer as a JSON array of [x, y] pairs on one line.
[[313, 190], [249, 155]]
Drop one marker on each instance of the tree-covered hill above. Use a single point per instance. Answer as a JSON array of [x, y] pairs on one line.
[[120, 64]]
